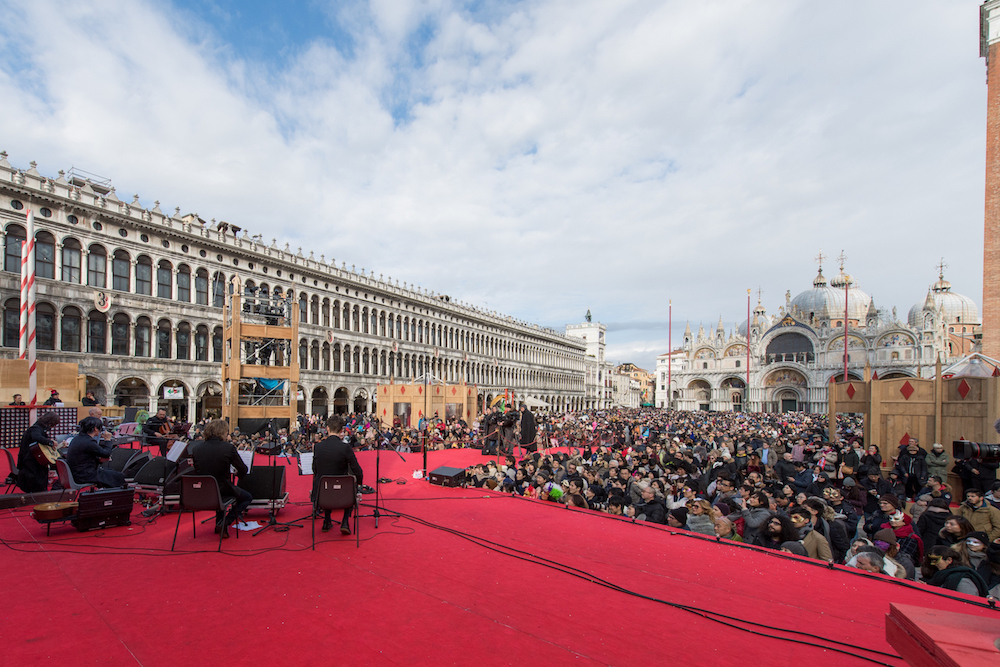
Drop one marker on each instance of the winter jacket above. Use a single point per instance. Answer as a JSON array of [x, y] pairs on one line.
[[930, 524], [985, 518], [937, 464]]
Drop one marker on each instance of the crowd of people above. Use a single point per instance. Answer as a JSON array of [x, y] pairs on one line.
[[771, 480], [774, 481]]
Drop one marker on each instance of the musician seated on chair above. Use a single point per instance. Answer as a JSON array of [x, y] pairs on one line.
[[334, 457], [213, 456], [32, 476], [85, 455], [156, 427]]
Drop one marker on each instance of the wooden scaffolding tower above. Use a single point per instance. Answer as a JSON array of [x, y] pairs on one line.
[[260, 324]]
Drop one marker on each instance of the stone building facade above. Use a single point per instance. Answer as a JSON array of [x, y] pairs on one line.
[[796, 354], [134, 297]]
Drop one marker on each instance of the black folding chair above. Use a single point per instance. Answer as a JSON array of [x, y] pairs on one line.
[[201, 493], [12, 478], [336, 492]]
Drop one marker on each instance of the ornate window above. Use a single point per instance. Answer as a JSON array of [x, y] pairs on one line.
[[97, 267], [71, 261]]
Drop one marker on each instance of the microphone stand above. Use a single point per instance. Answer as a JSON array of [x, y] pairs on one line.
[[382, 442], [272, 521]]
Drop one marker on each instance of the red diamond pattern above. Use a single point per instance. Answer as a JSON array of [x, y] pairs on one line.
[[402, 390], [850, 390], [420, 390], [905, 440], [964, 388], [454, 391], [907, 390]]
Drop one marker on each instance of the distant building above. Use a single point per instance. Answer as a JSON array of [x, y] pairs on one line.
[[668, 365], [796, 354]]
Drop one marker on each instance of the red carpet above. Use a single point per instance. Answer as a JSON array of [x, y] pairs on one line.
[[416, 595]]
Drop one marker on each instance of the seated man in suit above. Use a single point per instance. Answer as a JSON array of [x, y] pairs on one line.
[[213, 456], [334, 457], [85, 453]]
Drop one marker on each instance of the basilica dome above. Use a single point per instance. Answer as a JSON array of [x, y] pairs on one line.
[[955, 307], [826, 300]]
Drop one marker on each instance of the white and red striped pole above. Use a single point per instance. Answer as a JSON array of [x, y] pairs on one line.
[[26, 345]]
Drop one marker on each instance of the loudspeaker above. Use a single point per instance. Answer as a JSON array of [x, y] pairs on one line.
[[154, 472], [120, 456], [103, 509], [135, 464], [265, 482], [446, 476], [130, 414]]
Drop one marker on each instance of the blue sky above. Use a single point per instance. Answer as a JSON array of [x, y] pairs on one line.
[[538, 158]]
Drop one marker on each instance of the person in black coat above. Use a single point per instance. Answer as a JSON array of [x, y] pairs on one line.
[[213, 456], [85, 454], [528, 430], [911, 465], [931, 522], [651, 506], [334, 457], [32, 476]]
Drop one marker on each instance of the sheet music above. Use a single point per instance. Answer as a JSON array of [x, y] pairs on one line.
[[247, 456], [306, 463], [176, 450]]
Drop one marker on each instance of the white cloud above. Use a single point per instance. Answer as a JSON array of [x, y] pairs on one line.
[[559, 157]]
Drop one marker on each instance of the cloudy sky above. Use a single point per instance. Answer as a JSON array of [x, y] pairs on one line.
[[537, 158]]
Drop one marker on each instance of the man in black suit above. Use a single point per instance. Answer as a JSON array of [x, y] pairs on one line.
[[213, 456], [333, 457], [85, 454]]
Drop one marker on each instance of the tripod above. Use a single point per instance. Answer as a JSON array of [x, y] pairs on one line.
[[272, 521], [383, 442]]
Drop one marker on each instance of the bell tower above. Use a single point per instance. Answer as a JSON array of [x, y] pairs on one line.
[[989, 48]]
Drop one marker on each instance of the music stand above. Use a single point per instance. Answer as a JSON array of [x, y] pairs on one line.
[[271, 450]]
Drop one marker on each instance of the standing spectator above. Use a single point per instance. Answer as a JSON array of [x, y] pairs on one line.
[[941, 567], [911, 465], [937, 462]]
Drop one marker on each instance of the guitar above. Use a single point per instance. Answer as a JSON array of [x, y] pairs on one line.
[[46, 455]]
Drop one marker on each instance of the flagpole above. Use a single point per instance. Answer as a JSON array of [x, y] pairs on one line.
[[670, 352], [746, 392], [26, 344]]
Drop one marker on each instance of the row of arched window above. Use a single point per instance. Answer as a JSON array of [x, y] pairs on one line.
[[68, 331], [97, 266], [364, 360]]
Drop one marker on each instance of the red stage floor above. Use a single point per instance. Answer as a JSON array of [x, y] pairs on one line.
[[416, 595]]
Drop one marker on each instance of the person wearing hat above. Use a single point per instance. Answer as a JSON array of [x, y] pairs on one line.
[[888, 504], [53, 398], [972, 550], [887, 542], [911, 465], [937, 461]]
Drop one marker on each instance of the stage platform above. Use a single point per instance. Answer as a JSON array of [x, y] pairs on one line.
[[463, 577]]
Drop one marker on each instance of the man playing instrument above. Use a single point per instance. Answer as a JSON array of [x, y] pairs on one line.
[[333, 457], [155, 429], [85, 455], [213, 456], [32, 476]]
